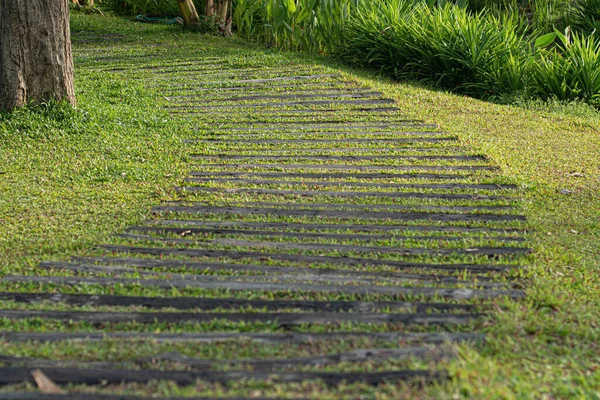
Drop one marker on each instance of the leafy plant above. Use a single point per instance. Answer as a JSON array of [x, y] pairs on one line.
[[146, 7], [309, 25], [570, 70], [585, 16], [475, 54]]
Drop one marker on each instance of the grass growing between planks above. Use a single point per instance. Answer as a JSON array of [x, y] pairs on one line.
[[71, 179]]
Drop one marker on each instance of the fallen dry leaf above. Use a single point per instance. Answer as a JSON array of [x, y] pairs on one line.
[[44, 383]]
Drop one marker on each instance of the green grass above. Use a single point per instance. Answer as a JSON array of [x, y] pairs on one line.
[[71, 179]]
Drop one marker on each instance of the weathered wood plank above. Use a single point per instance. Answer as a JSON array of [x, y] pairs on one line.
[[337, 175], [337, 193], [270, 338], [340, 226], [299, 84], [234, 285], [309, 135], [334, 125], [350, 167], [286, 104], [206, 266], [328, 141], [282, 113], [283, 320], [188, 303], [349, 207], [275, 90], [256, 244], [342, 214], [96, 396], [438, 186], [424, 353], [293, 96], [293, 152], [187, 231], [336, 158], [63, 376], [295, 276], [236, 255]]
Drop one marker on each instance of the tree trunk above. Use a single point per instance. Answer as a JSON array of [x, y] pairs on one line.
[[222, 10], [209, 8], [36, 63], [188, 13]]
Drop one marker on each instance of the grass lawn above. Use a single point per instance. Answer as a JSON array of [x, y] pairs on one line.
[[70, 179]]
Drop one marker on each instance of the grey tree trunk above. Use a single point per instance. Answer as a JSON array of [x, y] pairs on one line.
[[36, 63]]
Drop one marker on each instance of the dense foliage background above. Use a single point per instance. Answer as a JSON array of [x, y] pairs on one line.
[[485, 48]]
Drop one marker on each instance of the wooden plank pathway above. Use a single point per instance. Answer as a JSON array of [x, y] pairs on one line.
[[314, 212]]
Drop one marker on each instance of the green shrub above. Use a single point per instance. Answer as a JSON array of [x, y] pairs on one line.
[[585, 16], [477, 54], [146, 7], [549, 14], [570, 70], [481, 48], [308, 25]]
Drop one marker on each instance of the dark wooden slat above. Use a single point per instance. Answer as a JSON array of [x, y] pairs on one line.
[[96, 396], [439, 186], [483, 250], [236, 255], [336, 193], [187, 303], [353, 206], [278, 113], [337, 236], [293, 96], [308, 135], [338, 158], [266, 93], [296, 276], [287, 104], [283, 320], [204, 266], [292, 152], [174, 74], [175, 66], [161, 73], [271, 91], [270, 338], [272, 365], [342, 226], [63, 376], [254, 280], [333, 125], [328, 175], [178, 66], [351, 167], [186, 87], [343, 214], [146, 62], [234, 285], [269, 80], [328, 141]]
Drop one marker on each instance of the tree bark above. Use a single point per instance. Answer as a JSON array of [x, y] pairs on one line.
[[222, 10], [36, 63], [209, 8]]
